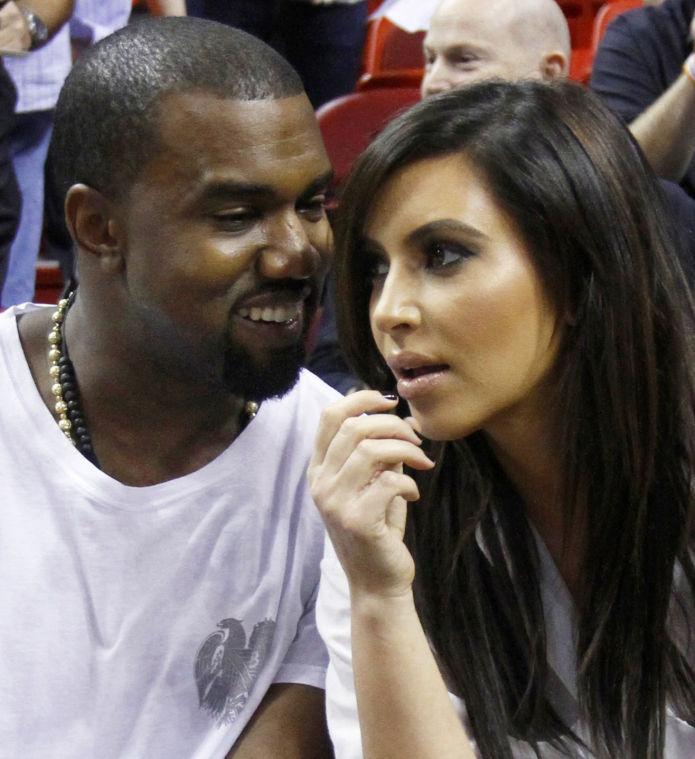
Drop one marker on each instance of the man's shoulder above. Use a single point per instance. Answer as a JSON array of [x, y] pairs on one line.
[[310, 395], [314, 389]]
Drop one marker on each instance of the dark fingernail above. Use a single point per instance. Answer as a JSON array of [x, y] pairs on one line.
[[390, 396]]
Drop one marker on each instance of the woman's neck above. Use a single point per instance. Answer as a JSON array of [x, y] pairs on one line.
[[530, 453]]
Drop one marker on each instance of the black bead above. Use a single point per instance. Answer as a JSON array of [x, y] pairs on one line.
[[80, 431], [64, 361], [69, 396], [73, 406]]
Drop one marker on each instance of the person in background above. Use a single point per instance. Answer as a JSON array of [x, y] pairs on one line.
[[509, 276], [644, 70], [37, 76], [507, 39], [322, 39], [159, 551]]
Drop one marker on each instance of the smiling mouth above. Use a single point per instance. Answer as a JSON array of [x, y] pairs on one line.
[[271, 315]]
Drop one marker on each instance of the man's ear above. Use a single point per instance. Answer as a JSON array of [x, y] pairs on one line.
[[91, 219], [554, 66]]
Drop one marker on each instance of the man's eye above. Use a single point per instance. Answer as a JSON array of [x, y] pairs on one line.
[[441, 255], [462, 61], [314, 208], [235, 221]]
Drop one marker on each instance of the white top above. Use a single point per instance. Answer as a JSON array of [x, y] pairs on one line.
[[147, 622], [333, 619]]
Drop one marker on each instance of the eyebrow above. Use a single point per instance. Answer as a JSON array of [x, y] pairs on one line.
[[445, 226], [232, 189]]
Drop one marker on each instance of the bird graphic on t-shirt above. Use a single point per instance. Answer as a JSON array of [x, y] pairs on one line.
[[226, 669]]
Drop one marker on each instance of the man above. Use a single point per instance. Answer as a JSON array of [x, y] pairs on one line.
[[158, 546], [469, 40], [645, 71]]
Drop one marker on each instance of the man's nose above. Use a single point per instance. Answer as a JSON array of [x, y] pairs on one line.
[[435, 79], [289, 252]]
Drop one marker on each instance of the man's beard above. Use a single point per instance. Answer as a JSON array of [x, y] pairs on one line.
[[258, 380]]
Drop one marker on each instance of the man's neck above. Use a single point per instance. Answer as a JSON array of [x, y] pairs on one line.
[[145, 428]]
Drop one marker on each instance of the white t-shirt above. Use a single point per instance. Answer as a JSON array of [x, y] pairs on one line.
[[333, 619], [138, 623]]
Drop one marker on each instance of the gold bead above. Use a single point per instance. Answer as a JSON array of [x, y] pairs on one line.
[[53, 355], [65, 424], [54, 337], [61, 407], [57, 317], [251, 408], [57, 390], [63, 304], [54, 371]]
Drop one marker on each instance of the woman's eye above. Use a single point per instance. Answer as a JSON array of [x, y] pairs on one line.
[[444, 254], [377, 270]]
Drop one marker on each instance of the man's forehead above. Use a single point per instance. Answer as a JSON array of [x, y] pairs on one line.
[[471, 19], [246, 122], [204, 141]]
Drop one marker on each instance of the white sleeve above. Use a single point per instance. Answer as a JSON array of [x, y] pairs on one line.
[[333, 620], [306, 659]]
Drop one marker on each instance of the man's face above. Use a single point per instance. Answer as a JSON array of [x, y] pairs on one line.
[[227, 242], [472, 40]]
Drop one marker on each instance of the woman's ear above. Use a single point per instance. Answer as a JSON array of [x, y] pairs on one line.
[[91, 219]]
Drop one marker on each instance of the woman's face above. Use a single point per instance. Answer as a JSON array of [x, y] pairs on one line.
[[457, 309]]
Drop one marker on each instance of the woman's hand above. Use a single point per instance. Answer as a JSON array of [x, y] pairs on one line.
[[357, 481]]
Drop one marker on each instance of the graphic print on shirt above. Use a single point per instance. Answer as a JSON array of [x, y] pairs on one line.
[[226, 668]]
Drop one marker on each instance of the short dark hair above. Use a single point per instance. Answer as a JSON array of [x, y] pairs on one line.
[[585, 202], [106, 117]]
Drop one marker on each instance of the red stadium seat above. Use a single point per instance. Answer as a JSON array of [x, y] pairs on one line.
[[392, 57], [348, 124], [49, 282], [580, 16]]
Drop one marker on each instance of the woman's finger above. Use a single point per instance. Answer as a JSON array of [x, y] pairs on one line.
[[356, 404], [355, 429], [366, 515]]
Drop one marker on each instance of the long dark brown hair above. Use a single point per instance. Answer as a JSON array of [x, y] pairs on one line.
[[591, 214]]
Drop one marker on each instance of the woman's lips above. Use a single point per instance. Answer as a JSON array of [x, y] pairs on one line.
[[416, 382]]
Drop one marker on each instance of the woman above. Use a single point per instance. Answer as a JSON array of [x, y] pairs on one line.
[[504, 267]]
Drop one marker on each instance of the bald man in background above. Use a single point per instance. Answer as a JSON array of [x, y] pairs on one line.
[[470, 40]]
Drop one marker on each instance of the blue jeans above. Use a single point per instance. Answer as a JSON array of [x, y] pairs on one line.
[[28, 146]]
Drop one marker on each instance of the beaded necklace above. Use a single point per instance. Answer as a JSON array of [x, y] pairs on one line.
[[67, 403]]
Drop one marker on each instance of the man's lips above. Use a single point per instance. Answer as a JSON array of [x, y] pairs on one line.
[[273, 307]]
